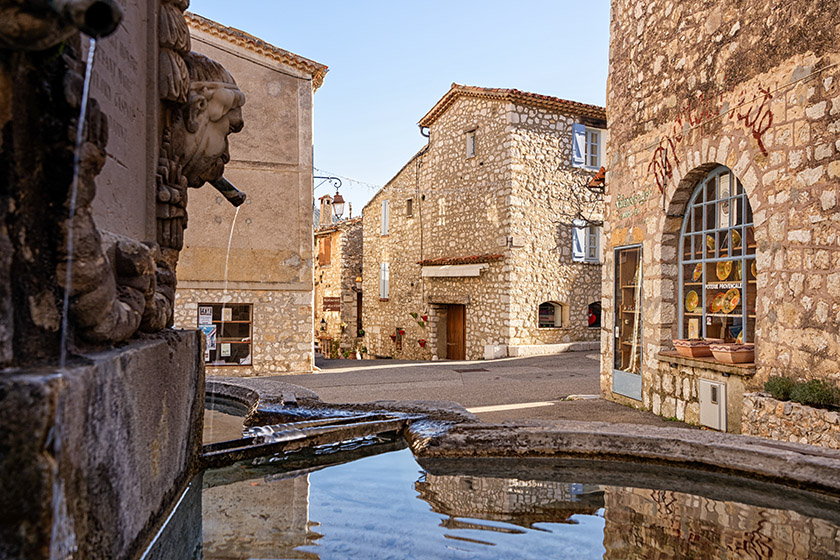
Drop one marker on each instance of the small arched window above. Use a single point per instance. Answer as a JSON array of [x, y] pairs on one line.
[[717, 261], [550, 315]]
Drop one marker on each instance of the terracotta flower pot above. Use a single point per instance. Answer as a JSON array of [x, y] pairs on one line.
[[393, 337], [422, 343], [695, 347], [402, 332], [733, 353], [425, 318]]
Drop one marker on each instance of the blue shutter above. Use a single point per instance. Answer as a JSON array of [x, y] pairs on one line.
[[578, 244], [578, 145]]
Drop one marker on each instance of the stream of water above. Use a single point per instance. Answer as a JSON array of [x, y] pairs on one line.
[[62, 545], [74, 188]]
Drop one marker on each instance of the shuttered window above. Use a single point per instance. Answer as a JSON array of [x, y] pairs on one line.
[[385, 216], [324, 251], [384, 280], [585, 242]]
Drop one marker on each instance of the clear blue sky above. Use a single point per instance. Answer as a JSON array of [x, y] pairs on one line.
[[390, 61]]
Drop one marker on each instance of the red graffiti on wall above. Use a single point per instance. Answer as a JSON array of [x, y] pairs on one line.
[[754, 114]]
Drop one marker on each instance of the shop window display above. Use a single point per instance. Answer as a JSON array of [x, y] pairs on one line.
[[717, 262]]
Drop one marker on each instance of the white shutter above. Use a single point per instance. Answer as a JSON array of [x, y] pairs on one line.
[[385, 217], [387, 281], [578, 145], [578, 243], [382, 280]]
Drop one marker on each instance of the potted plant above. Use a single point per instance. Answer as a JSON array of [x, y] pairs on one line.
[[360, 332], [425, 318], [401, 331], [422, 324], [413, 314], [422, 342], [393, 338]]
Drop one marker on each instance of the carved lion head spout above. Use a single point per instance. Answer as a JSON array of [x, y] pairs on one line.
[[213, 111]]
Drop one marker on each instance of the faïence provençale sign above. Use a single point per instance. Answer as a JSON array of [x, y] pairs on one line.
[[628, 206], [332, 304]]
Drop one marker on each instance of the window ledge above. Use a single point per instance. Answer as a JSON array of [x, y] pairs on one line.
[[383, 299], [742, 370]]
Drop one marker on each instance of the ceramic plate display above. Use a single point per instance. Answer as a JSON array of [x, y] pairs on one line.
[[698, 272], [730, 300], [692, 300], [752, 269], [717, 302], [710, 242], [737, 270], [724, 269], [736, 239]]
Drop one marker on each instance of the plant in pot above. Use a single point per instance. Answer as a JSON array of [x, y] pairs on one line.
[[393, 338], [360, 332], [422, 342], [401, 331]]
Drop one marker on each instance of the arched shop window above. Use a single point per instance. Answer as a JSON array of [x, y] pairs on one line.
[[717, 261]]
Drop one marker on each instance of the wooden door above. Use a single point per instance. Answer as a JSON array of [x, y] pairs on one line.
[[456, 333]]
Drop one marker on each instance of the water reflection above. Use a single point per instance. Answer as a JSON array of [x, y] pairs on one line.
[[387, 506]]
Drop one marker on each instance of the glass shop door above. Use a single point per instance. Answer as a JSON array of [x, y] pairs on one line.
[[627, 332]]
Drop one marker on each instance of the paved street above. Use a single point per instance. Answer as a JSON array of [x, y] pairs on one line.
[[562, 386]]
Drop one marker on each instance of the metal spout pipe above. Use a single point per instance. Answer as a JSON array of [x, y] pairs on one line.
[[95, 18], [234, 195]]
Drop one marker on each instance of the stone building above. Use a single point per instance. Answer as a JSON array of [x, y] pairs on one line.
[[256, 297], [338, 286], [486, 243], [721, 202]]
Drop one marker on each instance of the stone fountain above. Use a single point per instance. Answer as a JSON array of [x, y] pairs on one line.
[[101, 402]]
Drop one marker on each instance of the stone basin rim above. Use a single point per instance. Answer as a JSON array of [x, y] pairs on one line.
[[447, 430]]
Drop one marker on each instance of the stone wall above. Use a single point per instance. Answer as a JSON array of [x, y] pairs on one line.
[[501, 208], [281, 328], [337, 279], [767, 417], [754, 87], [672, 389], [248, 252], [641, 523]]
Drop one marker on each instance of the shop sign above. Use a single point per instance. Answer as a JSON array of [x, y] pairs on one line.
[[332, 304], [628, 206]]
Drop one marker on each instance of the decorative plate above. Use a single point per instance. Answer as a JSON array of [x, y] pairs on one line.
[[736, 239], [752, 269], [698, 272], [724, 269], [717, 302], [692, 300], [710, 242], [730, 300]]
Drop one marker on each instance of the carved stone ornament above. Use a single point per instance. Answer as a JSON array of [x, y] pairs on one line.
[[119, 285]]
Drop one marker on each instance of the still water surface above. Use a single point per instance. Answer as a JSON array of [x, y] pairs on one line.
[[388, 507]]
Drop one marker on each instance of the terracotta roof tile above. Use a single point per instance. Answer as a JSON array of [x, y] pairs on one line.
[[472, 259], [513, 95]]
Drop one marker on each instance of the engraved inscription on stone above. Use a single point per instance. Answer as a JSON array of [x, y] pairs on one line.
[[121, 83]]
